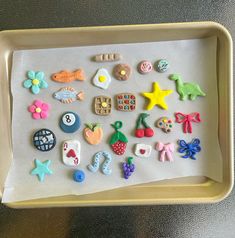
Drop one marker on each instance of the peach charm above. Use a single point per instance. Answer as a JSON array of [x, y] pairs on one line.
[[93, 133]]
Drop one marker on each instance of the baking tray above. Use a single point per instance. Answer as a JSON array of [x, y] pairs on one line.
[[174, 191]]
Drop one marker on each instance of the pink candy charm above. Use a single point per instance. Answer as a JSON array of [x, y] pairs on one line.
[[186, 119], [166, 151], [145, 67], [39, 109]]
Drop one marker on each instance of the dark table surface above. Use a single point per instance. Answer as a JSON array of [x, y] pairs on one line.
[[182, 221]]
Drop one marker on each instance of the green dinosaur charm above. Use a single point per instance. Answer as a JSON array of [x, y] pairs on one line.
[[191, 90]]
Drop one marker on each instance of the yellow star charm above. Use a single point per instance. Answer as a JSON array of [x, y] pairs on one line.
[[157, 97]]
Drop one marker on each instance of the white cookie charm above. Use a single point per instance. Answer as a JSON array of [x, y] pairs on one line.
[[142, 150], [71, 150]]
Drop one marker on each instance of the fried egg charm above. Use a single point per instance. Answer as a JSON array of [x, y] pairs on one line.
[[102, 79]]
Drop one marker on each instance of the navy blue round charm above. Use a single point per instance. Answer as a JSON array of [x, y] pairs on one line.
[[70, 122], [44, 140]]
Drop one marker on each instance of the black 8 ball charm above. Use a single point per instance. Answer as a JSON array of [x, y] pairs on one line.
[[70, 122]]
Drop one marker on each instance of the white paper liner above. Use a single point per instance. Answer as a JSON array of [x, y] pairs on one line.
[[194, 60]]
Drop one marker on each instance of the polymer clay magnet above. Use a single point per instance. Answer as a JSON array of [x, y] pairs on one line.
[[66, 76], [186, 90], [126, 102], [44, 140], [94, 166], [128, 168], [41, 169], [35, 81], [147, 131], [189, 149], [108, 57], [143, 150], [102, 79], [68, 95], [157, 97], [122, 72], [93, 133], [39, 109], [162, 65], [145, 67], [102, 105], [78, 176], [165, 123], [166, 151], [187, 119], [70, 122], [118, 140], [71, 150]]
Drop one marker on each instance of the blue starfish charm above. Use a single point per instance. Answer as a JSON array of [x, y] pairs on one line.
[[41, 168], [190, 149]]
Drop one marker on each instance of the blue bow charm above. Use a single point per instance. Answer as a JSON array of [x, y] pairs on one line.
[[190, 149]]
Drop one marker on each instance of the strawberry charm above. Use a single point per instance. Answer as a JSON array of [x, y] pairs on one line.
[[93, 133], [118, 140]]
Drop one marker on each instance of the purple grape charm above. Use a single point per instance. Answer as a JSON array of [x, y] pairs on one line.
[[128, 168]]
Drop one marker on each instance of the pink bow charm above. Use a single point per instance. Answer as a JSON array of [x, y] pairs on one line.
[[166, 151], [186, 119]]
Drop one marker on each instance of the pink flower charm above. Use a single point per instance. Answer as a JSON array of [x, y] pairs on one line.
[[39, 109]]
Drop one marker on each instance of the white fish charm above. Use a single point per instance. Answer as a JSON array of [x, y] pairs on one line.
[[68, 95]]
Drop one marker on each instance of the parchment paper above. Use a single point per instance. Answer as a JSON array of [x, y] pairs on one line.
[[194, 60]]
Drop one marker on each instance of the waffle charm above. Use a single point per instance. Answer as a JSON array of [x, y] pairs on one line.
[[126, 102], [102, 105]]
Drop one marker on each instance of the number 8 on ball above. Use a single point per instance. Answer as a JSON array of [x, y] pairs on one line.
[[70, 122]]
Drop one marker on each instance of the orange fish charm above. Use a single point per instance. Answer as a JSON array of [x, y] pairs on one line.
[[67, 76]]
